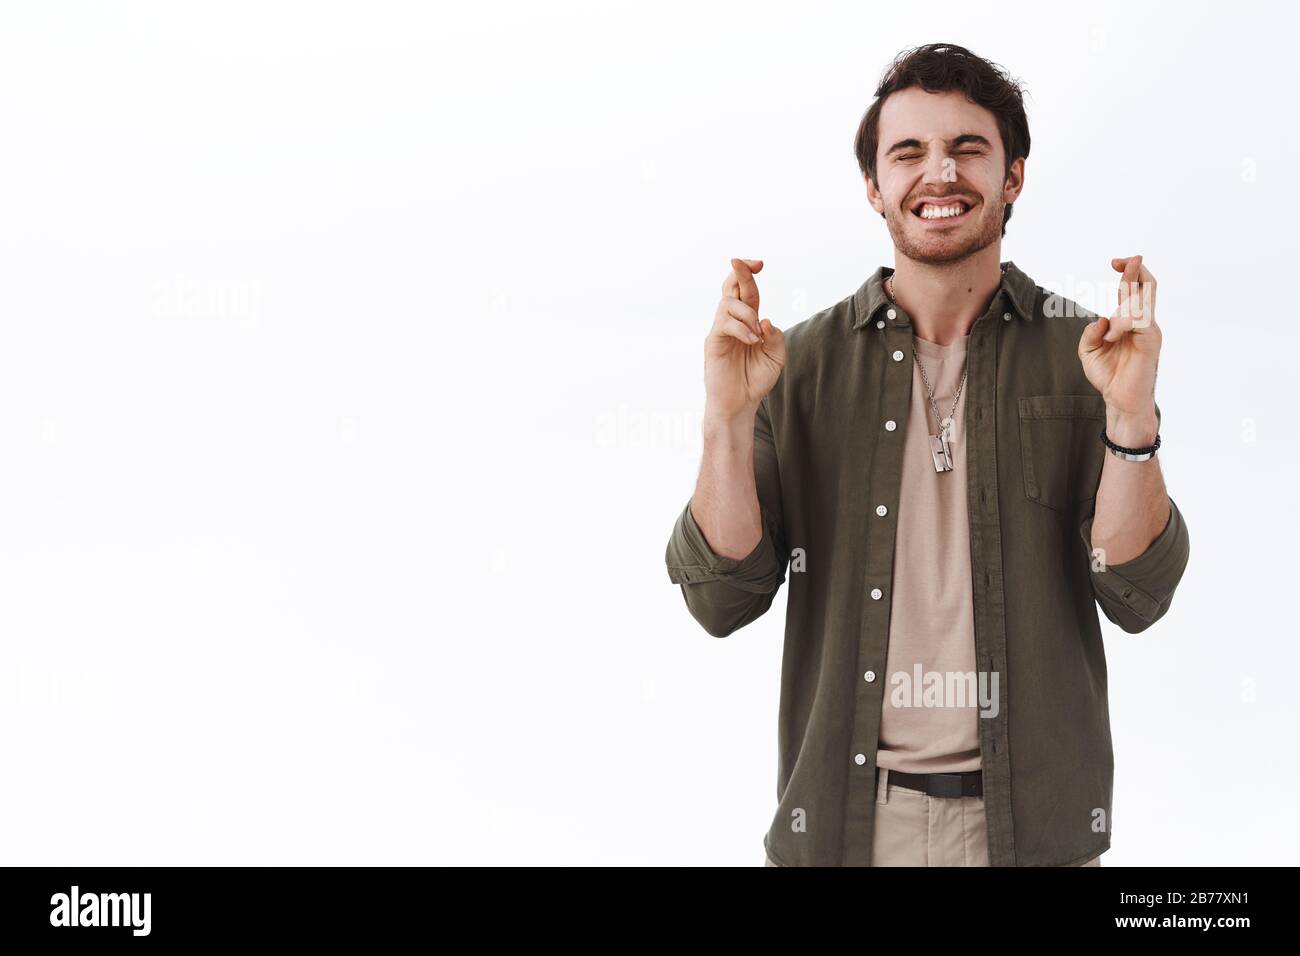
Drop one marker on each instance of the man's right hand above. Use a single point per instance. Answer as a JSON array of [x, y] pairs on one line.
[[743, 356]]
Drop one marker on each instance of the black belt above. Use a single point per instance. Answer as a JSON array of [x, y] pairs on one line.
[[967, 784]]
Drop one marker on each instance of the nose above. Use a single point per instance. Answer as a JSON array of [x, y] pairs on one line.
[[938, 168]]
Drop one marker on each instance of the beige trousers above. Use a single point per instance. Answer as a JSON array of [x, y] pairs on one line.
[[915, 829]]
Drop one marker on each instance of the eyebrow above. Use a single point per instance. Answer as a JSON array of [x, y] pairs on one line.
[[962, 140]]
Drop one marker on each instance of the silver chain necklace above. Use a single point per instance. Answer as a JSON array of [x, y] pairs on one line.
[[940, 444], [940, 448]]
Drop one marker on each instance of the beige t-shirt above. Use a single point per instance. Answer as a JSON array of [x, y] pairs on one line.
[[932, 619]]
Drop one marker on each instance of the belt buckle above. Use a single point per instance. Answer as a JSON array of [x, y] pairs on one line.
[[944, 785]]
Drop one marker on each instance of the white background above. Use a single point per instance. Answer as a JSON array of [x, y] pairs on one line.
[[350, 381]]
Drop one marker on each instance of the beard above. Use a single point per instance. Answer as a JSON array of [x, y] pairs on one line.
[[941, 248]]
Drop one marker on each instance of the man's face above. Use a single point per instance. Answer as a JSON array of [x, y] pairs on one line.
[[941, 146]]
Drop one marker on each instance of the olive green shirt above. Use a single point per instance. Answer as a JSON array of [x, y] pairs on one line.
[[827, 454]]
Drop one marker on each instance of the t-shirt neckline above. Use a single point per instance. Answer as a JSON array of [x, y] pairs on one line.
[[954, 349]]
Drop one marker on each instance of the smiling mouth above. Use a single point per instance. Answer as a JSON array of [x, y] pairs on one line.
[[953, 210]]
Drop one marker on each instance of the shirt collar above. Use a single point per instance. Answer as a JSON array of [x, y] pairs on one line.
[[1019, 288]]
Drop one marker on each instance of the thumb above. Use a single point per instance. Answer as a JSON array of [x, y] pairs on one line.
[[773, 337], [1093, 335]]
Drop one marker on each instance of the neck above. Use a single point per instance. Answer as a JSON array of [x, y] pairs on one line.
[[944, 301]]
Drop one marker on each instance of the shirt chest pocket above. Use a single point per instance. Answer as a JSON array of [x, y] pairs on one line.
[[1060, 448]]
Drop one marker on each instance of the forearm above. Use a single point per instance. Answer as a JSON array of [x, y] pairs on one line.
[[725, 503], [1132, 505]]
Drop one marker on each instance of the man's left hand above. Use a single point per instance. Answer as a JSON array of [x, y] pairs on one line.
[[1120, 353]]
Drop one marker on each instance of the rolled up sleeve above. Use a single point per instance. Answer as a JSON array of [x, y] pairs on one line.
[[1138, 592], [723, 594]]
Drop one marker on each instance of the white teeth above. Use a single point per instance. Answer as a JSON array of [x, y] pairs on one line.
[[940, 212]]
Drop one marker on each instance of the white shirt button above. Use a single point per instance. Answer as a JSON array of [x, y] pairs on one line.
[[882, 510], [1006, 316], [880, 323], [870, 676], [893, 314], [890, 425], [898, 355], [876, 594], [860, 759]]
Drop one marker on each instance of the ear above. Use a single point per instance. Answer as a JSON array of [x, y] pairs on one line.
[[873, 196], [1015, 181]]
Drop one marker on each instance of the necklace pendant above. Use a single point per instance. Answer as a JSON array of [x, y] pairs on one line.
[[942, 452]]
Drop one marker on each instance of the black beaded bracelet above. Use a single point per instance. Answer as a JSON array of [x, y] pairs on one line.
[[1131, 453]]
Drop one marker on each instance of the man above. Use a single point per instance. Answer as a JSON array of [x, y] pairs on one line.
[[956, 467]]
